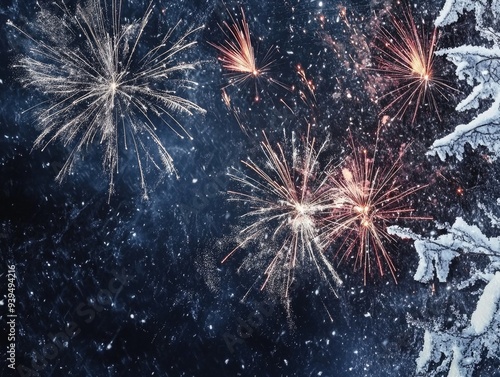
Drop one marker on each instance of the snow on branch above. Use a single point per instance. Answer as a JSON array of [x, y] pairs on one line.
[[452, 9], [433, 254], [437, 253], [458, 350], [479, 66], [493, 218], [487, 307]]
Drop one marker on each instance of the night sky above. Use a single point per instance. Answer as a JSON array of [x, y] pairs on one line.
[[138, 284]]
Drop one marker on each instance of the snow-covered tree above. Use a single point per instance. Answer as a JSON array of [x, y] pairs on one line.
[[483, 9], [479, 66], [459, 349]]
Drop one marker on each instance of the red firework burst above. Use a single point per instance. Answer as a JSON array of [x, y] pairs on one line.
[[366, 198], [407, 56]]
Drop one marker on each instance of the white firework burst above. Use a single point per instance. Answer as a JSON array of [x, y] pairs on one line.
[[102, 84], [288, 203]]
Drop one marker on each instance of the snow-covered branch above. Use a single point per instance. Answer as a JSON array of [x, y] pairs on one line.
[[452, 9], [459, 352], [479, 66], [437, 253], [460, 349]]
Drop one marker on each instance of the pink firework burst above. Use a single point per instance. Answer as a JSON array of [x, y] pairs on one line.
[[365, 199], [406, 55]]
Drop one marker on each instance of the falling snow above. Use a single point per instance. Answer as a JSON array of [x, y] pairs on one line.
[[116, 285]]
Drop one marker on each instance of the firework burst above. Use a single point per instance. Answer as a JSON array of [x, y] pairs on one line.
[[407, 56], [238, 57], [287, 204], [366, 198], [108, 88]]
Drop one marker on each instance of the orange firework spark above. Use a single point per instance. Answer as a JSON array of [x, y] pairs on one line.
[[234, 110], [407, 55], [307, 81], [287, 204], [237, 54], [365, 199]]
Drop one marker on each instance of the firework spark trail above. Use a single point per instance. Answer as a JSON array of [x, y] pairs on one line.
[[106, 85], [310, 101], [226, 99], [365, 199], [407, 56], [238, 57], [288, 202]]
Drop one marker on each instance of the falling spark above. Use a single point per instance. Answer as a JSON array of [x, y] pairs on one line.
[[287, 204], [365, 199], [226, 99], [109, 88], [306, 81], [407, 56]]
